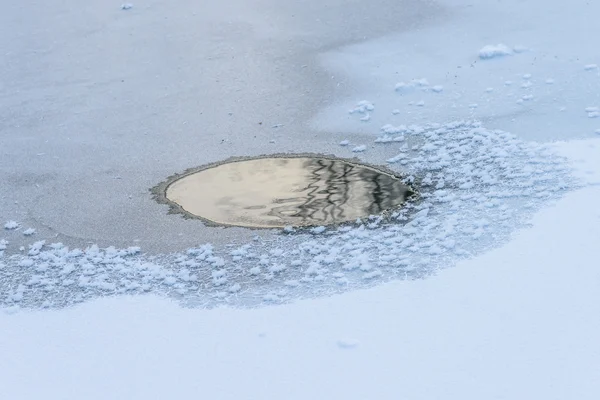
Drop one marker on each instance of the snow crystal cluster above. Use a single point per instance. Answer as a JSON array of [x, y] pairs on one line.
[[475, 187], [494, 51], [11, 225]]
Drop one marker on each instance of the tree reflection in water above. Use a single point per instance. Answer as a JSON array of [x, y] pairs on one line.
[[336, 189]]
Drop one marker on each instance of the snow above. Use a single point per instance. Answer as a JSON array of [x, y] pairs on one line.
[[362, 107], [485, 286], [11, 225], [494, 51], [486, 318]]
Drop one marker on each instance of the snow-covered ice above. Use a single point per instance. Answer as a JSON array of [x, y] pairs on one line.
[[483, 285]]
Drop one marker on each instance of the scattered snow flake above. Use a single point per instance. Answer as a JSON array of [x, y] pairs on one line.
[[344, 143], [437, 89], [404, 87], [526, 85], [366, 118], [219, 277], [362, 107], [11, 225], [395, 111], [126, 6], [28, 262], [493, 51], [359, 149], [590, 67], [317, 230], [131, 250], [34, 249], [420, 104], [29, 232]]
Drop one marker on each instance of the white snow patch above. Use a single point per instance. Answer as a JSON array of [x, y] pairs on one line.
[[362, 107], [406, 87], [494, 51], [11, 225], [366, 118]]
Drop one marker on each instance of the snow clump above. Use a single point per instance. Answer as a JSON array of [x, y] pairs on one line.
[[494, 51]]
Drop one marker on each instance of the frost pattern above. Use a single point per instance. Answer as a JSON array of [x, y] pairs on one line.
[[477, 186]]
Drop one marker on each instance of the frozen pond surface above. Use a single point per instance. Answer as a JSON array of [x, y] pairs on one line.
[[467, 98]]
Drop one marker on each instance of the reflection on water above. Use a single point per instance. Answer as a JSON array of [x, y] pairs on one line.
[[277, 192]]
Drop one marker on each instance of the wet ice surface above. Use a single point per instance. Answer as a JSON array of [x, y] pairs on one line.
[[477, 186]]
